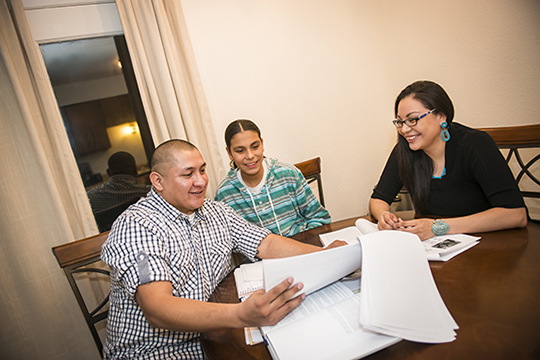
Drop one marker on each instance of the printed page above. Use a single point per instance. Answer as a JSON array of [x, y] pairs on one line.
[[313, 303], [332, 333], [439, 246], [248, 278], [446, 257], [314, 270]]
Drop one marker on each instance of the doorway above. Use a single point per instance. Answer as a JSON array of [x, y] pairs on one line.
[[97, 94]]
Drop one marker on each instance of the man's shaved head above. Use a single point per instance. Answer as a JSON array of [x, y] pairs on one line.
[[164, 155]]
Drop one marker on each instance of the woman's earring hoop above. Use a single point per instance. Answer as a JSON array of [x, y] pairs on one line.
[[445, 134], [231, 164]]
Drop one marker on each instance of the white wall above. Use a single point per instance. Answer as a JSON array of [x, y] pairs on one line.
[[320, 78]]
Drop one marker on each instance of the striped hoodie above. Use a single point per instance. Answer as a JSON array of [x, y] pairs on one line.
[[285, 205]]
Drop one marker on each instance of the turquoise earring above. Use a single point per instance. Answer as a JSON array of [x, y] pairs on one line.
[[445, 134]]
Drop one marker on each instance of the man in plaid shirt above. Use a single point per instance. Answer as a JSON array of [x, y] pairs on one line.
[[167, 254]]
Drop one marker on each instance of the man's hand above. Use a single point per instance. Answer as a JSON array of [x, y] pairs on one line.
[[268, 308]]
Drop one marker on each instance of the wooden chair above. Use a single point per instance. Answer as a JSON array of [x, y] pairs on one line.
[[311, 169], [82, 256], [516, 138]]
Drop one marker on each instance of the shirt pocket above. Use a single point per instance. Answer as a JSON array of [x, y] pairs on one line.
[[220, 259], [184, 273]]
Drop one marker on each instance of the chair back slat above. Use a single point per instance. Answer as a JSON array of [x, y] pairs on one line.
[[516, 138], [311, 169], [80, 250]]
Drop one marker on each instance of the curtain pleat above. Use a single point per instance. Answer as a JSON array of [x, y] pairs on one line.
[[43, 204], [168, 77]]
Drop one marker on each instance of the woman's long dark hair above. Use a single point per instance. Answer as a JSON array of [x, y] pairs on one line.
[[416, 167], [236, 127]]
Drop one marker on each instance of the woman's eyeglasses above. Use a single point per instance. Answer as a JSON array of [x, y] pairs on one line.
[[410, 122]]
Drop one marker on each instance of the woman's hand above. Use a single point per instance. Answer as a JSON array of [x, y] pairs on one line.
[[388, 221], [420, 227]]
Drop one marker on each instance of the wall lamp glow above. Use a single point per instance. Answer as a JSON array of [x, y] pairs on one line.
[[130, 129]]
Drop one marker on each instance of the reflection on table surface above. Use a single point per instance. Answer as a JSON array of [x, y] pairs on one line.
[[492, 291]]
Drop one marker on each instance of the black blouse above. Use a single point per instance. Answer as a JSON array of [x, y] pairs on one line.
[[477, 177]]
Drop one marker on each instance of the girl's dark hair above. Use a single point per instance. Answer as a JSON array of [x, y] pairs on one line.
[[236, 127], [416, 167]]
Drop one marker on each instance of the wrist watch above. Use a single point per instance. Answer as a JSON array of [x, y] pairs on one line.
[[440, 227]]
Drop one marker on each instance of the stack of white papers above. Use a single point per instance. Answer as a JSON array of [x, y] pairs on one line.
[[399, 296], [437, 248], [248, 278]]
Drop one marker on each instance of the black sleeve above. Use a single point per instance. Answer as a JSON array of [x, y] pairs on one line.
[[490, 170], [390, 181]]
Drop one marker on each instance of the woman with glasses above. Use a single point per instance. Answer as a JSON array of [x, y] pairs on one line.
[[453, 173]]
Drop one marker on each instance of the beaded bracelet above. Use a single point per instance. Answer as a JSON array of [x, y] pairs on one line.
[[440, 227]]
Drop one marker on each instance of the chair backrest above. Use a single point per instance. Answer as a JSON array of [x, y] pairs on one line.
[[78, 257], [105, 218], [311, 169], [515, 138]]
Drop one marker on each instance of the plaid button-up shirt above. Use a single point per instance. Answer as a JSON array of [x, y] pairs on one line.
[[153, 241]]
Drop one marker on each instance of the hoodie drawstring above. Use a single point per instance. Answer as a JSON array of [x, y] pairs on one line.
[[271, 205]]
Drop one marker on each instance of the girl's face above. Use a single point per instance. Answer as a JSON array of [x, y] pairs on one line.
[[247, 152], [426, 134]]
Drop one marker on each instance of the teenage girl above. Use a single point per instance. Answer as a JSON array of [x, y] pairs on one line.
[[265, 191]]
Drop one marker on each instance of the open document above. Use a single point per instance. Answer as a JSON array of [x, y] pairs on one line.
[[398, 299], [438, 248], [325, 326]]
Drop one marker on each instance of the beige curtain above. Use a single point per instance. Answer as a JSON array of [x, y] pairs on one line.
[[168, 78], [42, 204]]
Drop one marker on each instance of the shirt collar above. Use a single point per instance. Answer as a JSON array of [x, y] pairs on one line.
[[170, 211]]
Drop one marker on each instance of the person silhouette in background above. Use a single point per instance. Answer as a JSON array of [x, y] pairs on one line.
[[122, 185]]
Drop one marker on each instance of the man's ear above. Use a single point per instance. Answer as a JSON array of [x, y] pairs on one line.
[[157, 180]]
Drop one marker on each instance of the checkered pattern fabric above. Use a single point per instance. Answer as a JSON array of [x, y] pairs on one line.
[[153, 241]]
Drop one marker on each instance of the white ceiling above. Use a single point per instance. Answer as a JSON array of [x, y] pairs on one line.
[[81, 60]]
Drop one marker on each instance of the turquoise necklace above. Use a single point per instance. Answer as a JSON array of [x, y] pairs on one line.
[[443, 173]]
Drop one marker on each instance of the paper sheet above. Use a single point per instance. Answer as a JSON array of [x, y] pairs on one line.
[[399, 295], [314, 270]]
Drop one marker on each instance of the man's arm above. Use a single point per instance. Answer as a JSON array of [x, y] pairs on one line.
[[163, 310], [275, 246]]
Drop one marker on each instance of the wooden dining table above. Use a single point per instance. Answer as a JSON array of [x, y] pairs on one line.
[[492, 290]]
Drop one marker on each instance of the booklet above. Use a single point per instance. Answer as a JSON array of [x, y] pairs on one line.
[[325, 326], [438, 248], [248, 279]]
